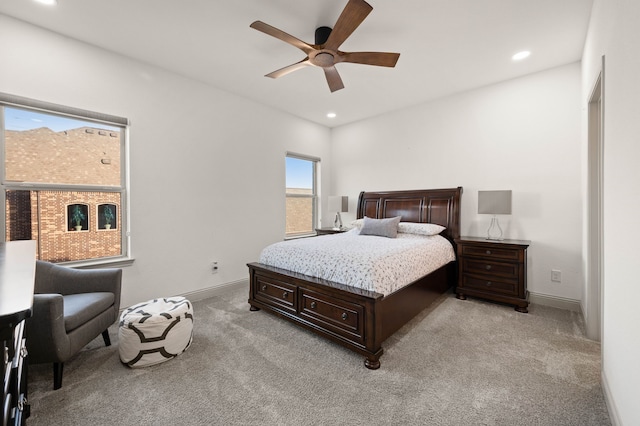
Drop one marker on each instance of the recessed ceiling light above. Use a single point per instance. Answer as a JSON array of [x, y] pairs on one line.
[[521, 55], [48, 2], [331, 115]]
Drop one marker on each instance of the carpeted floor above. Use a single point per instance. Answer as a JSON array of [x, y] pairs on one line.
[[457, 363]]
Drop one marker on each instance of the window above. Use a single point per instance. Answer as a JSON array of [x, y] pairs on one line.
[[63, 180], [107, 218], [301, 195], [78, 217]]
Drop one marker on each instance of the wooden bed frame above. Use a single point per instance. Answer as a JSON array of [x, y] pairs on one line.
[[360, 319]]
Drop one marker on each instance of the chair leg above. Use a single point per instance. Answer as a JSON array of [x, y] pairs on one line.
[[57, 375], [105, 336]]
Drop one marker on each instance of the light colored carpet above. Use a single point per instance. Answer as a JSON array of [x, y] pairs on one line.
[[457, 363]]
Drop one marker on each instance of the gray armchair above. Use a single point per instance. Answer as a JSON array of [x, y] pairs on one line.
[[71, 307]]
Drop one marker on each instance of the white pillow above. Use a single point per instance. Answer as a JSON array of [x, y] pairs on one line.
[[381, 227], [420, 228], [357, 223]]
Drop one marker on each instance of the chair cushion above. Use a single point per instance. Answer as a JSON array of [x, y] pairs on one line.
[[82, 307]]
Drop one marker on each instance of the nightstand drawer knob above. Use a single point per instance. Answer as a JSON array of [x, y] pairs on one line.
[[489, 283], [488, 267], [488, 252], [264, 288], [345, 316], [313, 305], [285, 295]]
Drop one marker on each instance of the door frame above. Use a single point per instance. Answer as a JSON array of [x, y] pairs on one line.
[[595, 213]]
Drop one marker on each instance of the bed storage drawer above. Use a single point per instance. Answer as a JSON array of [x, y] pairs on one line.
[[275, 293], [339, 316]]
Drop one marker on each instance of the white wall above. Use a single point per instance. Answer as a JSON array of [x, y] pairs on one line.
[[522, 134], [207, 167], [614, 32]]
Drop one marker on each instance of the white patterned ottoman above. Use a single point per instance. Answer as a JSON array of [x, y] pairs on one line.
[[155, 331]]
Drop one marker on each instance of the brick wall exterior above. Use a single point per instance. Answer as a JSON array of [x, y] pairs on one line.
[[83, 156], [299, 212], [78, 156]]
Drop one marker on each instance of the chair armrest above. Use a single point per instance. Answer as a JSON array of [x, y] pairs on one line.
[[47, 339]]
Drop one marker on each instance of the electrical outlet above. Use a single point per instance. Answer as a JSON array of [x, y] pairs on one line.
[[214, 267], [556, 276]]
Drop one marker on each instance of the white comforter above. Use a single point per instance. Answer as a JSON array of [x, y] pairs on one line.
[[372, 263]]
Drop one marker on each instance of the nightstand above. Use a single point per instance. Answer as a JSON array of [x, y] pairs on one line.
[[328, 231], [494, 270]]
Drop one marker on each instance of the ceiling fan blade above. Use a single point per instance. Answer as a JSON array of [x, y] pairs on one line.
[[333, 78], [290, 68], [351, 17], [381, 59], [279, 34]]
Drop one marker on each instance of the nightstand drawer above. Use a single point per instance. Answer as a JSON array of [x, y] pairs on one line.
[[481, 266], [490, 285], [491, 252]]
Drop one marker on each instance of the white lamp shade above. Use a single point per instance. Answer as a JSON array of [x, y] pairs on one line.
[[494, 202], [338, 203]]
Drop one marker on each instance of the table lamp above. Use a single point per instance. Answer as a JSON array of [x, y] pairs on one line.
[[338, 203], [495, 203]]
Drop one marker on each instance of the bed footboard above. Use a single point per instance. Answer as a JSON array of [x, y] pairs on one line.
[[358, 319]]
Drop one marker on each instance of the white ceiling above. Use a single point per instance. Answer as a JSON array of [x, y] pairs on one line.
[[446, 46]]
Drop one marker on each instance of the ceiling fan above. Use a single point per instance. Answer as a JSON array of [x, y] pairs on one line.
[[324, 53]]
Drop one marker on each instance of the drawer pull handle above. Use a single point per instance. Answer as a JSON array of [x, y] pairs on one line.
[[264, 288], [488, 267], [285, 295], [489, 283], [488, 251], [313, 305], [22, 402], [345, 316]]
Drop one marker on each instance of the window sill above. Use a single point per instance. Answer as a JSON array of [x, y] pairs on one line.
[[113, 262]]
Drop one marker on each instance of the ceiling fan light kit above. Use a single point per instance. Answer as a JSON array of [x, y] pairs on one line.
[[324, 53]]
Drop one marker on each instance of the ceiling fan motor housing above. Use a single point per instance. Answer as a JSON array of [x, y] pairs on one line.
[[322, 35]]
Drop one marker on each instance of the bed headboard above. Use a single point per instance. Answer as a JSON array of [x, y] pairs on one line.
[[440, 206]]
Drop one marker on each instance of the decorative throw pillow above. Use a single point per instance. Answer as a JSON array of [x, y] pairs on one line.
[[420, 228], [381, 227]]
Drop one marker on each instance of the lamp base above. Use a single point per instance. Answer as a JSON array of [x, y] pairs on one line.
[[337, 223], [494, 232]]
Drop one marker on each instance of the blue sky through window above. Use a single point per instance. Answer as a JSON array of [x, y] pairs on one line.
[[22, 119], [299, 173]]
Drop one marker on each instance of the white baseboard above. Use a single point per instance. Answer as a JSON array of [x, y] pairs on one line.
[[555, 302], [205, 293], [608, 399], [208, 292]]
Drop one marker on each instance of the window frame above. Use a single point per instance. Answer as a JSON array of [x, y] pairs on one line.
[[14, 101], [314, 196]]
